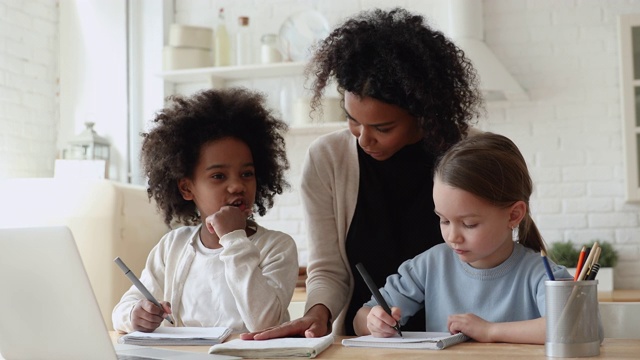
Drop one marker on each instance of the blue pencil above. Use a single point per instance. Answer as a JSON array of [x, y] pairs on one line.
[[545, 261]]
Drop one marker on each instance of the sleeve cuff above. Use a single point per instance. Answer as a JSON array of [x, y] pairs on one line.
[[231, 237]]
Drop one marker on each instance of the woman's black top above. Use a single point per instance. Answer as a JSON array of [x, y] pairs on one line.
[[393, 221]]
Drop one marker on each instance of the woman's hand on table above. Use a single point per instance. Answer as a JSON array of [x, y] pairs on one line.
[[315, 323]]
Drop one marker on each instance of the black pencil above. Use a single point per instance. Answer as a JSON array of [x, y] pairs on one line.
[[376, 294]]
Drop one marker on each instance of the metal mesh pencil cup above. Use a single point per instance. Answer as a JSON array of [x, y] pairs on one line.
[[572, 313]]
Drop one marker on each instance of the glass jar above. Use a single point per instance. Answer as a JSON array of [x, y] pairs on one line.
[[269, 52]]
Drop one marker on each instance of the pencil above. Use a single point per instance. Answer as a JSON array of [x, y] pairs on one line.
[[589, 262], [545, 261], [583, 252], [596, 257], [376, 293], [594, 271]]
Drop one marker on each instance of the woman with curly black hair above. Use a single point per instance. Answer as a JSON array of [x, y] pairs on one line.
[[212, 160], [409, 94]]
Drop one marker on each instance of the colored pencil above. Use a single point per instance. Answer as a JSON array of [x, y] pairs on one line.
[[581, 259], [545, 261]]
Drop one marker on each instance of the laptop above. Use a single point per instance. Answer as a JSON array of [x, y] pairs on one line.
[[48, 309]]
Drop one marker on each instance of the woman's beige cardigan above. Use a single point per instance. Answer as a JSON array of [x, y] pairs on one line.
[[329, 191]]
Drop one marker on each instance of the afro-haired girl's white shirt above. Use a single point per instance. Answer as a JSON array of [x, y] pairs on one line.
[[247, 285]]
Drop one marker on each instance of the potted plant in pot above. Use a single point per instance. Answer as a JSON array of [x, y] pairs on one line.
[[567, 254]]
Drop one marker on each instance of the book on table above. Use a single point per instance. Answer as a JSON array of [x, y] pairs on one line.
[[409, 340], [177, 336], [274, 348]]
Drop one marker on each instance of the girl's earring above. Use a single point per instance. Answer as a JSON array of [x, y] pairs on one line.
[[515, 235]]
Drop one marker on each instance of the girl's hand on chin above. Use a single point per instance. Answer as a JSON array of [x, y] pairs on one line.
[[226, 220]]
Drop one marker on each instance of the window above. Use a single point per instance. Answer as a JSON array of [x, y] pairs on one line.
[[629, 28]]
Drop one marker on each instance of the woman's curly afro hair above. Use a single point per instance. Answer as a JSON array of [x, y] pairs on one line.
[[395, 57], [170, 151]]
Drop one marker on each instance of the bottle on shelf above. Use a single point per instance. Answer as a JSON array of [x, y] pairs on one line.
[[221, 44], [243, 42], [269, 52]]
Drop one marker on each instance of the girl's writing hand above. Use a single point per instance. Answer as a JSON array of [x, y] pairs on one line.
[[471, 325], [381, 324], [147, 317], [226, 220]]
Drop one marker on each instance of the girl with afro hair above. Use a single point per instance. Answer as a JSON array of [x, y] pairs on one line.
[[212, 160]]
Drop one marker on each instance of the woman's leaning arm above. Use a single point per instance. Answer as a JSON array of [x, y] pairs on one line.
[[328, 277]]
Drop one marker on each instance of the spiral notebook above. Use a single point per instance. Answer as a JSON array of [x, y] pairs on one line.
[[410, 340]]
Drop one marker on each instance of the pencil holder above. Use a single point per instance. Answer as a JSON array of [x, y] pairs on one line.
[[572, 314]]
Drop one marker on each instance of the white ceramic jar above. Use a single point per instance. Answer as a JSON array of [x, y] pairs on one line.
[[269, 52]]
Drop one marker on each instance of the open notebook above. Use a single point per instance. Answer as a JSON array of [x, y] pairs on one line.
[[49, 309], [274, 348], [410, 340], [166, 335]]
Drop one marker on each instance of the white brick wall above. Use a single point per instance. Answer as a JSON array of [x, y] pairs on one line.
[[566, 56], [564, 53], [29, 114]]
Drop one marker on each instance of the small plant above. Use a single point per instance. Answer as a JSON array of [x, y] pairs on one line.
[[608, 256], [567, 254], [564, 253]]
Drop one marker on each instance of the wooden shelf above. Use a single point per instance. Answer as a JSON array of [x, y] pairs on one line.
[[299, 294], [320, 128], [216, 77], [224, 73]]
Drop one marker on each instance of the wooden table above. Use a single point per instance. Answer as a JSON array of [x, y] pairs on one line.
[[619, 296], [610, 349]]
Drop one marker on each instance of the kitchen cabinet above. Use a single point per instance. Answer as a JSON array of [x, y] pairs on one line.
[[629, 35]]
